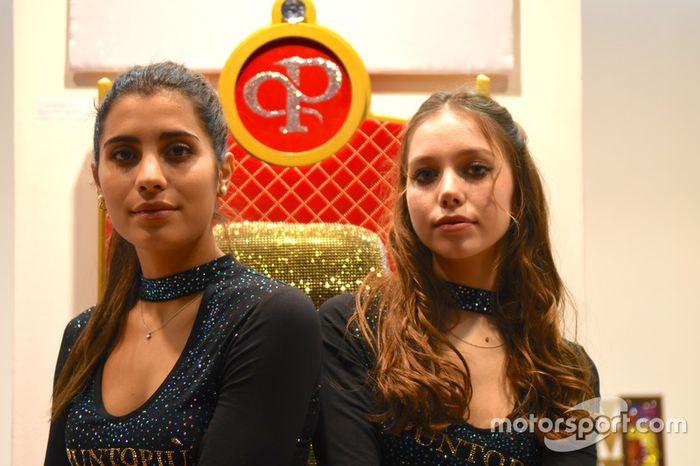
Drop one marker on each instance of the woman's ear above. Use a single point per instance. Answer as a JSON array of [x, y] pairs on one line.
[[226, 169]]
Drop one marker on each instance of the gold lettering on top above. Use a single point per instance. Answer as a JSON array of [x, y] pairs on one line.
[[126, 456], [453, 448], [514, 462], [73, 458], [487, 458], [472, 452], [419, 439], [111, 456], [145, 459], [93, 455], [134, 458]]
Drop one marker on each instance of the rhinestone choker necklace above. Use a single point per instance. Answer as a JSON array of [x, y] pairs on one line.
[[467, 298], [182, 283]]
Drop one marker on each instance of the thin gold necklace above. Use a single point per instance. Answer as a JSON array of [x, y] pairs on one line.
[[475, 344], [149, 332]]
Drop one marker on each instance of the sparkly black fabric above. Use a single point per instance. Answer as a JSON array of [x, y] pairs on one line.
[[183, 283], [345, 436], [243, 391], [471, 299]]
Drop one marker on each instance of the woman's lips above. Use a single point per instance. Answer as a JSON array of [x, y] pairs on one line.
[[454, 227], [452, 223], [156, 214], [154, 210]]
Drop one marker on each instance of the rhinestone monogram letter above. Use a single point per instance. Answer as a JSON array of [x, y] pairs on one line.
[[295, 97]]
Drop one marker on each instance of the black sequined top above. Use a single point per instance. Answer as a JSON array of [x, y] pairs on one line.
[[243, 391], [345, 436]]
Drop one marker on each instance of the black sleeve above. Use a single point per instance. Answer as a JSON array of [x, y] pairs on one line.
[[587, 456], [270, 371], [56, 448], [344, 436]]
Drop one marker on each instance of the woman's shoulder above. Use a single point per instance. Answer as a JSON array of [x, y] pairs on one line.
[[337, 316], [585, 360], [288, 300], [71, 333], [339, 310], [244, 284], [76, 325], [249, 290]]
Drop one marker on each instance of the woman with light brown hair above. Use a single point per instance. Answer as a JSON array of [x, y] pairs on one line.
[[466, 333]]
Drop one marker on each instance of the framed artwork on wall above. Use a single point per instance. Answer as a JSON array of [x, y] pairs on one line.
[[642, 440]]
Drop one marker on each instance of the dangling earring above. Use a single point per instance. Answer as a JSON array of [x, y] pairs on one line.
[[223, 189], [101, 203]]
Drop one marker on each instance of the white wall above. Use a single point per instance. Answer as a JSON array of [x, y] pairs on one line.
[[641, 95], [55, 270], [54, 215], [7, 222]]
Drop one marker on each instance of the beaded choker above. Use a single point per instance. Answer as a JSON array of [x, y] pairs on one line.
[[467, 298], [182, 283]]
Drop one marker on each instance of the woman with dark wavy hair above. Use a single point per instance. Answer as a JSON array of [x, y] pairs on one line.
[[467, 330], [189, 357]]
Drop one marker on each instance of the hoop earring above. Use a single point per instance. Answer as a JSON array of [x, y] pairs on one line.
[[101, 203]]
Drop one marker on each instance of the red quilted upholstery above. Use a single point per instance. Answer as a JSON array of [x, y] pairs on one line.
[[349, 187]]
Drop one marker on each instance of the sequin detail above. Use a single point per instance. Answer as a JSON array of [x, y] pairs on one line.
[[460, 444], [471, 299], [182, 283], [168, 428]]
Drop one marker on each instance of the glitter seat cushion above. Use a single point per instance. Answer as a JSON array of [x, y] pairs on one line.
[[321, 259]]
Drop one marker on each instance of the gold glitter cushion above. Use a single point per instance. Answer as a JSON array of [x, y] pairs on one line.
[[321, 259]]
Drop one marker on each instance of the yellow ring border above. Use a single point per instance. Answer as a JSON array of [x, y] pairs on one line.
[[355, 69]]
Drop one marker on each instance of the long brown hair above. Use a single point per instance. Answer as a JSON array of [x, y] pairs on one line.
[[123, 269], [417, 384]]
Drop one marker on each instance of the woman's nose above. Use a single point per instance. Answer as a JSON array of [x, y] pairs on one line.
[[451, 190], [151, 175]]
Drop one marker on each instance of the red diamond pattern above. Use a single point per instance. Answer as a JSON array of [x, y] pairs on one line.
[[351, 186]]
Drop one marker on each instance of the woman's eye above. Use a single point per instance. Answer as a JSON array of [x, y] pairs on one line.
[[124, 155], [424, 175], [478, 171], [178, 151]]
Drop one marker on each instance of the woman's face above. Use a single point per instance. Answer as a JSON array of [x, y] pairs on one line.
[[458, 189], [158, 172]]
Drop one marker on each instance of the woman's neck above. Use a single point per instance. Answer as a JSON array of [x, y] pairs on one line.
[[476, 271], [156, 263]]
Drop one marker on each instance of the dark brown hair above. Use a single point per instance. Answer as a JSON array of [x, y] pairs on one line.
[[123, 268], [418, 385]]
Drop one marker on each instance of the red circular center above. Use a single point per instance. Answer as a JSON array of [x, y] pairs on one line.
[[293, 95]]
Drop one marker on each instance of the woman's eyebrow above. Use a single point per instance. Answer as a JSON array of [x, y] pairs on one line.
[[476, 153], [116, 139], [471, 152], [177, 134]]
